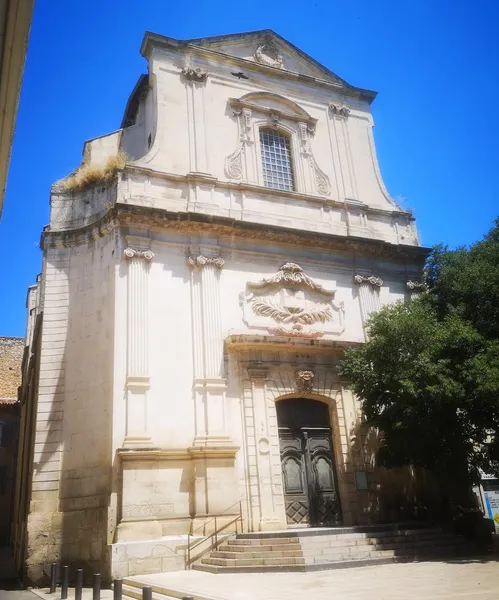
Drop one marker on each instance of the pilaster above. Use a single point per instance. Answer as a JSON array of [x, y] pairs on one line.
[[266, 450], [340, 112], [369, 289], [209, 385], [137, 378], [198, 149]]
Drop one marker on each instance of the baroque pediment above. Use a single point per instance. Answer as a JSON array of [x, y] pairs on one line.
[[269, 49], [291, 303]]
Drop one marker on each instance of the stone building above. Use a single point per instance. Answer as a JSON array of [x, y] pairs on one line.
[[11, 355], [204, 270]]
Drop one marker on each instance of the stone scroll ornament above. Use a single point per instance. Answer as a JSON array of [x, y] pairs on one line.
[[290, 303], [321, 180], [234, 162]]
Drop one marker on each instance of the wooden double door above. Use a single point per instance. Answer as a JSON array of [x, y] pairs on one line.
[[310, 490]]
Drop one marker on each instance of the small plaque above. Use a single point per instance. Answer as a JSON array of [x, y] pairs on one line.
[[361, 480]]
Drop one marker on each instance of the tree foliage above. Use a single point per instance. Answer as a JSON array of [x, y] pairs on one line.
[[428, 376]]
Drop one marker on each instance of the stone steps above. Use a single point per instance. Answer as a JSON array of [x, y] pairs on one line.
[[321, 549]]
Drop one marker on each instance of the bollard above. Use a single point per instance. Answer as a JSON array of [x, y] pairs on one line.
[[53, 577], [65, 582], [96, 587], [117, 589], [79, 584], [147, 592]]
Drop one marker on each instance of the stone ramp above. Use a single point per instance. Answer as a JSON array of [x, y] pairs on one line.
[[132, 588], [311, 550], [445, 580]]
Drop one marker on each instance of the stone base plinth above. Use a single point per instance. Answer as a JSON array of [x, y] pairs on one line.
[[147, 556]]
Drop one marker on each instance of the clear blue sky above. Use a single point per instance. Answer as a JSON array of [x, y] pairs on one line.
[[433, 62]]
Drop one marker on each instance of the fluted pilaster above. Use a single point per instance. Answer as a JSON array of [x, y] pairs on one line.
[[137, 379], [209, 385], [369, 290]]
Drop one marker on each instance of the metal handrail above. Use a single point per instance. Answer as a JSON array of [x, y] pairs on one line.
[[215, 534]]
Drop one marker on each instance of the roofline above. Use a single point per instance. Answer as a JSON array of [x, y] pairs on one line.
[[151, 40], [134, 99]]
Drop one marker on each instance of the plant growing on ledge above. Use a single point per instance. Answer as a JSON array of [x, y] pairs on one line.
[[89, 174], [428, 376]]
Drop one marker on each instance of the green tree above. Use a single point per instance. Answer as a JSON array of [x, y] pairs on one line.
[[428, 376]]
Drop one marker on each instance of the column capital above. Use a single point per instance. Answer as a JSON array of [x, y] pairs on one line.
[[339, 109], [195, 75], [374, 281], [203, 261], [136, 253], [416, 286]]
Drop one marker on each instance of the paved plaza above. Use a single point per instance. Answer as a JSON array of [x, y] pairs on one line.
[[477, 580]]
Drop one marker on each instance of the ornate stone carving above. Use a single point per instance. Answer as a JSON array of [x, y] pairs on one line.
[[321, 180], [274, 118], [202, 261], [339, 109], [291, 273], [304, 381], [196, 75], [322, 184], [377, 281], [134, 253], [267, 54], [295, 302], [297, 331], [234, 163], [416, 286]]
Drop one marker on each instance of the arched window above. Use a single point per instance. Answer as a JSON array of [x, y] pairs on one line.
[[276, 160]]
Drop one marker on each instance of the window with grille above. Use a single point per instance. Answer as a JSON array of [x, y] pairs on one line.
[[276, 160]]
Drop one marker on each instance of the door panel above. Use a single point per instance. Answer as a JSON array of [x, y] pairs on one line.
[[294, 478], [324, 498], [307, 463]]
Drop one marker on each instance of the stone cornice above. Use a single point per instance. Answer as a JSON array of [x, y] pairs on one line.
[[244, 342], [209, 180], [152, 41], [198, 224]]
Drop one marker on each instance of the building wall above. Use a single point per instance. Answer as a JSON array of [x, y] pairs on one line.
[[71, 477], [169, 328], [11, 355]]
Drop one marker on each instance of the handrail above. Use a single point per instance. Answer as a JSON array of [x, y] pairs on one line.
[[215, 534]]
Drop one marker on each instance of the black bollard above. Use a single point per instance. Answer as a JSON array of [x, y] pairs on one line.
[[96, 587], [53, 577], [65, 582], [79, 584], [147, 592], [117, 589]]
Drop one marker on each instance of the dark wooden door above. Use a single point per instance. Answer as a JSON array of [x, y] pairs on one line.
[[307, 463]]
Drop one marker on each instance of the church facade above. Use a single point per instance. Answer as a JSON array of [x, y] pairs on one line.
[[194, 305]]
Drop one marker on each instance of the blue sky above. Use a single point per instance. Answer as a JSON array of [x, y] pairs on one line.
[[433, 62]]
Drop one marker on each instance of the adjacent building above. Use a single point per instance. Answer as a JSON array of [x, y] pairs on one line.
[[15, 23], [203, 271], [11, 355]]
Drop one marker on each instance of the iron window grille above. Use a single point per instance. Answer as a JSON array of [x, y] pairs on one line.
[[276, 160]]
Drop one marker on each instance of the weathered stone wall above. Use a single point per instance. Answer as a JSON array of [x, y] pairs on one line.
[[72, 460], [11, 356]]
